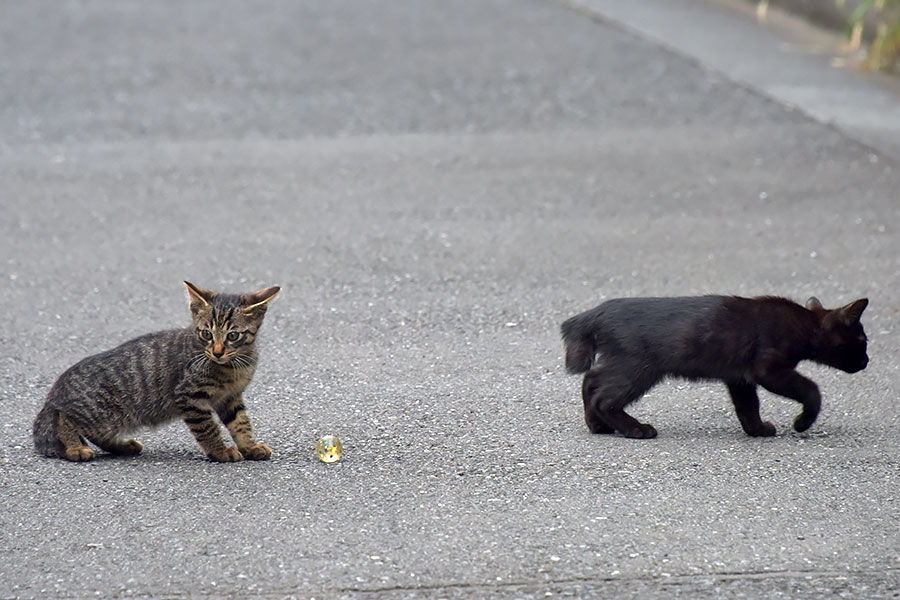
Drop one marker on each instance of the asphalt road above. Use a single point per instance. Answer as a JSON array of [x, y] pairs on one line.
[[435, 186]]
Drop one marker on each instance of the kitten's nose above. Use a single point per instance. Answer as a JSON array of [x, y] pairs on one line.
[[218, 349]]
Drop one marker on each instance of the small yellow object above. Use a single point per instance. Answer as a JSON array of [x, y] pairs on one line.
[[329, 449]]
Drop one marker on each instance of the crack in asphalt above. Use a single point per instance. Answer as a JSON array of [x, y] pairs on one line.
[[487, 586]]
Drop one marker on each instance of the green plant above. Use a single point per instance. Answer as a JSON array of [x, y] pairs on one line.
[[884, 51]]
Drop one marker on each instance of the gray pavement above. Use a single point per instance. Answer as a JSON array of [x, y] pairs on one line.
[[436, 186]]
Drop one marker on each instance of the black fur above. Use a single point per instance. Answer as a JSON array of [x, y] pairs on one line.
[[628, 345]]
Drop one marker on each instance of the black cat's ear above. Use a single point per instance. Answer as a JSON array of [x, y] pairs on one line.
[[852, 313], [814, 304], [258, 300], [200, 298]]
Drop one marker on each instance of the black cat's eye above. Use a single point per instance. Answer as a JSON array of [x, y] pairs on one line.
[[233, 336], [206, 334]]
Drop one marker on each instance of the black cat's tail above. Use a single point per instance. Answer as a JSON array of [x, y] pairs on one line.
[[45, 434], [580, 348]]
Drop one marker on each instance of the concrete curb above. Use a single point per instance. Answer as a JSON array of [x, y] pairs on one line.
[[825, 12], [787, 59]]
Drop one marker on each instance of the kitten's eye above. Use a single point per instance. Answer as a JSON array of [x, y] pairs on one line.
[[206, 334], [233, 336]]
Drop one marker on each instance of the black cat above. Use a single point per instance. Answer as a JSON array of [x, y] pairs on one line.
[[628, 345]]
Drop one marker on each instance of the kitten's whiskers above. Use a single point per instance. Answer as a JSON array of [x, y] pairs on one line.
[[242, 364], [199, 363]]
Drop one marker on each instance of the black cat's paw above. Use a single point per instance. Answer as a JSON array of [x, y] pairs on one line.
[[764, 429], [804, 421], [596, 425], [643, 431]]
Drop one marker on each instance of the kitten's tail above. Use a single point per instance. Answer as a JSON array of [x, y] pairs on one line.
[[580, 348], [44, 433]]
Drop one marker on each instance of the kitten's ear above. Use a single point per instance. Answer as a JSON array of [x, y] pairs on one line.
[[257, 300], [851, 313], [200, 298], [814, 304]]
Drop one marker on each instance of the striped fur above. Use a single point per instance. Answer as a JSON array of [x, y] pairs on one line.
[[196, 374]]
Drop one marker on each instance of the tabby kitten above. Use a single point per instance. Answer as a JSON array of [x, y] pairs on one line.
[[628, 345], [189, 373]]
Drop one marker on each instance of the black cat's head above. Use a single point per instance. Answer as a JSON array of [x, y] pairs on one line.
[[842, 343], [226, 324]]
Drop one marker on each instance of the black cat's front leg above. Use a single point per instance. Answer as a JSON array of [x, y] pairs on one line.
[[791, 384], [746, 405], [234, 417], [198, 416]]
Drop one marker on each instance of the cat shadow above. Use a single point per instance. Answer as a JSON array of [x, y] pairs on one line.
[[158, 455], [682, 435]]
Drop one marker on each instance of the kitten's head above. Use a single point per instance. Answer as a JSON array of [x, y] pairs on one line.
[[843, 341], [226, 324]]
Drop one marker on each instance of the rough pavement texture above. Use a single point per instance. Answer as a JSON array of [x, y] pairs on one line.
[[436, 186]]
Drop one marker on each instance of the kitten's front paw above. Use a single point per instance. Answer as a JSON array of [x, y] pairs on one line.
[[257, 452], [642, 432], [79, 454], [226, 454]]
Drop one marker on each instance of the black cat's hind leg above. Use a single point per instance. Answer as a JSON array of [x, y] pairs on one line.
[[612, 388], [746, 405], [791, 384], [592, 417]]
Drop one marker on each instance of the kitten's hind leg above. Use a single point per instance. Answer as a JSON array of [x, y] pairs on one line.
[[70, 436], [612, 388], [746, 405], [108, 440]]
